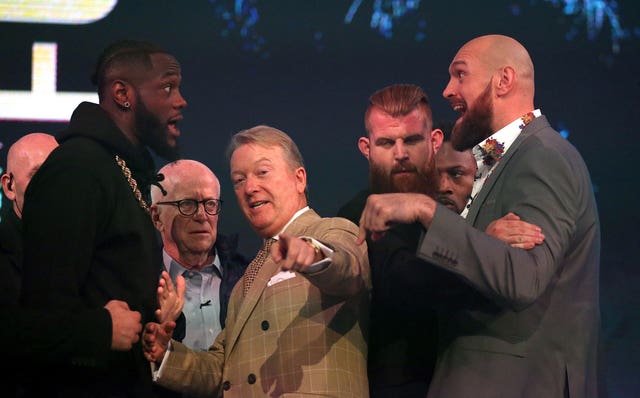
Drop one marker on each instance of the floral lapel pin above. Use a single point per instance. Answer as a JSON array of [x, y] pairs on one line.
[[526, 119], [492, 151]]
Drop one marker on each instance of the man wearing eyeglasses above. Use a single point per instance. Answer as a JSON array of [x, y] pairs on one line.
[[186, 215]]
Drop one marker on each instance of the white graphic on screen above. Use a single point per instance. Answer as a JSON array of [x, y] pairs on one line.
[[71, 12], [43, 102]]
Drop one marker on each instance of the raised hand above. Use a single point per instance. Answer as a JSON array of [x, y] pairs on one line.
[[170, 298], [125, 327]]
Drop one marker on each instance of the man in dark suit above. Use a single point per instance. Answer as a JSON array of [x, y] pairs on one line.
[[186, 215], [529, 325]]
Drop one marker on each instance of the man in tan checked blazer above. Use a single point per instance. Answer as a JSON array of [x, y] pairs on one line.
[[299, 327]]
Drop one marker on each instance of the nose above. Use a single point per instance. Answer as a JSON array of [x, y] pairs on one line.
[[445, 184], [181, 103], [200, 214], [448, 91], [400, 152], [250, 185]]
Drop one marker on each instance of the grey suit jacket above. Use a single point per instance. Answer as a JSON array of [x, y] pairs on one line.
[[531, 327], [302, 336]]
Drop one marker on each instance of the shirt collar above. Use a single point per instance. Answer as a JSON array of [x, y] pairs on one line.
[[175, 268], [506, 136], [296, 215]]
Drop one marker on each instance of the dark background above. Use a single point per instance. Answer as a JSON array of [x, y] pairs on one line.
[[311, 75]]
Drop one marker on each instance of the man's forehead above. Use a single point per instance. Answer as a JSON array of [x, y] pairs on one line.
[[193, 189], [260, 152], [165, 64], [475, 54], [382, 120], [450, 157], [198, 179]]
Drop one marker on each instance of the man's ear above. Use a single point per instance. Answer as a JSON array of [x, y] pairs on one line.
[[155, 217], [7, 187], [506, 79], [123, 94], [301, 179], [364, 146], [437, 136]]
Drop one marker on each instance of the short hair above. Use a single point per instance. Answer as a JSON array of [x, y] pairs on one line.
[[399, 100], [267, 136], [120, 54]]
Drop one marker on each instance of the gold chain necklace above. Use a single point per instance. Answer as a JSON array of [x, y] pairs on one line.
[[132, 183]]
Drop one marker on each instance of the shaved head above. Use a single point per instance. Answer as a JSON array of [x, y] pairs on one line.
[[24, 158], [498, 51]]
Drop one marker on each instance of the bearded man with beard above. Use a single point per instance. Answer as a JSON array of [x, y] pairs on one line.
[[400, 147], [88, 236], [528, 322], [407, 293]]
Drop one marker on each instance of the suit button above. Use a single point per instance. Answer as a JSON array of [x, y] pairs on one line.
[[251, 378], [265, 325], [226, 385]]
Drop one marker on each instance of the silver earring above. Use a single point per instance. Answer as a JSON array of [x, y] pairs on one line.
[[127, 104]]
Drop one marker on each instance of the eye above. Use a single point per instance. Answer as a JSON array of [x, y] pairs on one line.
[[237, 180], [385, 143], [461, 74], [414, 139], [456, 173], [168, 88]]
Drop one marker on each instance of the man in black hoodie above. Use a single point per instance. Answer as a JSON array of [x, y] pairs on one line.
[[88, 236]]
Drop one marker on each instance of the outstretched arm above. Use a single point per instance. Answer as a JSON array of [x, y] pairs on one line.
[[295, 254], [383, 212]]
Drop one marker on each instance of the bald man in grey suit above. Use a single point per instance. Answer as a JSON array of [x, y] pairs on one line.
[[529, 326]]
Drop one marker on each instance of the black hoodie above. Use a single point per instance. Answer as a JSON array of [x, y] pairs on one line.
[[87, 240]]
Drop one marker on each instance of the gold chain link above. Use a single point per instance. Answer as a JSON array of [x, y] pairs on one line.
[[132, 183]]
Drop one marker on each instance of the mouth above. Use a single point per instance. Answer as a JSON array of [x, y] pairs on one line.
[[173, 125], [200, 233], [444, 200], [257, 204], [403, 171], [459, 107]]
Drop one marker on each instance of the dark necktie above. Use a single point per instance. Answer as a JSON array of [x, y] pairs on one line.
[[256, 264]]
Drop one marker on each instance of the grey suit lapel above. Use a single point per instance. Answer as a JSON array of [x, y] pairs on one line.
[[538, 124], [269, 269]]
